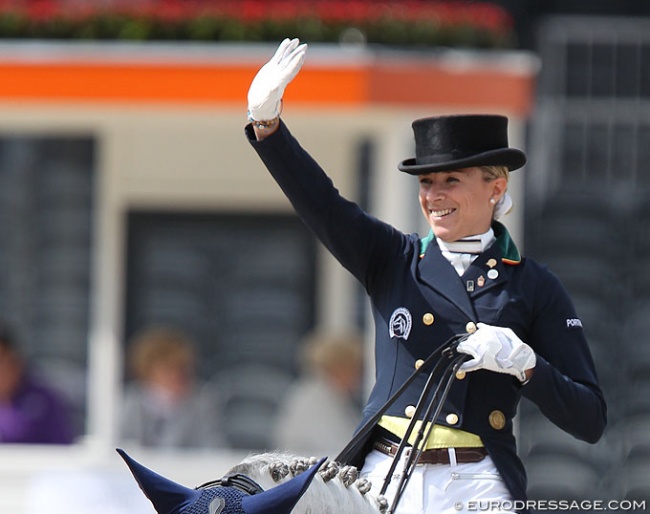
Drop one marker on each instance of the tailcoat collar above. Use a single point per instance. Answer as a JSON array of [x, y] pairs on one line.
[[434, 270], [509, 252]]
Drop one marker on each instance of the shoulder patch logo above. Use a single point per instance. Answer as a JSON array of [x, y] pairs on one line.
[[573, 323], [400, 323]]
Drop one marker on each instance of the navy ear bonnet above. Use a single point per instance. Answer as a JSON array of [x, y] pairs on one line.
[[169, 497], [217, 500]]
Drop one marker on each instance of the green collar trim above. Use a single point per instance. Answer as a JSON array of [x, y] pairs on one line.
[[425, 241], [509, 252]]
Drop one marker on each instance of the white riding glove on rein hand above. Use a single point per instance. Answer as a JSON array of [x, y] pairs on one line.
[[497, 349], [267, 88]]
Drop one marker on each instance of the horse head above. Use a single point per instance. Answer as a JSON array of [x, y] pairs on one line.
[[221, 496]]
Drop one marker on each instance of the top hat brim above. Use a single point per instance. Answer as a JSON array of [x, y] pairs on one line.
[[511, 158]]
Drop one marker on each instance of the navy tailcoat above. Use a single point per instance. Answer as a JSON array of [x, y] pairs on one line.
[[419, 301]]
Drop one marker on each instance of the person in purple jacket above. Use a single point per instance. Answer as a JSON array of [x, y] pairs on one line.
[[31, 411]]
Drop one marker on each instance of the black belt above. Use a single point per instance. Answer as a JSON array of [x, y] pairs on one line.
[[434, 455]]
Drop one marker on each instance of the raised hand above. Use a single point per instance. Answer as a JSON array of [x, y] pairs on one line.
[[267, 88]]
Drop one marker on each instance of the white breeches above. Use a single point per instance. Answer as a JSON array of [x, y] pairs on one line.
[[442, 488]]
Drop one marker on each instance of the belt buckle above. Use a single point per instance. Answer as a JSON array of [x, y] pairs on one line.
[[430, 456]]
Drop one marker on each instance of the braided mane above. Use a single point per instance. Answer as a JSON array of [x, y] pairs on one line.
[[335, 489]]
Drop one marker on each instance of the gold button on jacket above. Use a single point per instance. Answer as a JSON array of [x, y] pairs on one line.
[[497, 419], [452, 418]]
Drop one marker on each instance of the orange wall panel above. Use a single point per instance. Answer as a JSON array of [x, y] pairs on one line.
[[378, 83], [473, 88]]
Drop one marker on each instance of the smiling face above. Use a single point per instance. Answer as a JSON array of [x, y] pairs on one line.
[[459, 203]]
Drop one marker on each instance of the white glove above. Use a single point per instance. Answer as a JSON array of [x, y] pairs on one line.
[[266, 90], [497, 349]]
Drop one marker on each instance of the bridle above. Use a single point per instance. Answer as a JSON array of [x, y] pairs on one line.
[[447, 361], [238, 481], [427, 410]]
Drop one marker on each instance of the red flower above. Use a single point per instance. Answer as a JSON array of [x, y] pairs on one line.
[[446, 15]]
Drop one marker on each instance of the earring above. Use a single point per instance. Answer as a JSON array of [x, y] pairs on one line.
[[493, 201]]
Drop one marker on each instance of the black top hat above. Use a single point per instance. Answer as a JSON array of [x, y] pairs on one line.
[[445, 143]]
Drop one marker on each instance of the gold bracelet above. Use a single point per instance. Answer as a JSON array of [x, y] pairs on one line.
[[263, 125]]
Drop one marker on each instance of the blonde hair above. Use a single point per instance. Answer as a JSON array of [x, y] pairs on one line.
[[494, 172], [504, 205], [157, 345]]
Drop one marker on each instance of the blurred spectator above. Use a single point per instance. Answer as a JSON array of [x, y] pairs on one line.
[[322, 408], [165, 405], [31, 410]]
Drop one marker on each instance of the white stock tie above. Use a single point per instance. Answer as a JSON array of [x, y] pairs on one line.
[[462, 253], [461, 261]]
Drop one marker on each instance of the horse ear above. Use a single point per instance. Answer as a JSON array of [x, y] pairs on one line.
[[282, 498], [167, 496]]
